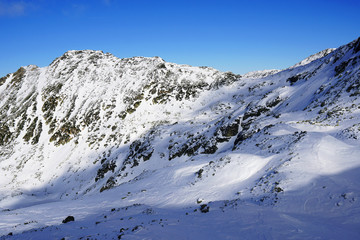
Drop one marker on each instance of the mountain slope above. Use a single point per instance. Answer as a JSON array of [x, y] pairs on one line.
[[95, 130]]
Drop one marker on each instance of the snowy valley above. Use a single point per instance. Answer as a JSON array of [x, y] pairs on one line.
[[140, 148]]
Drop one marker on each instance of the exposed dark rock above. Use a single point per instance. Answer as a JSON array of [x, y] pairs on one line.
[[204, 208], [274, 102], [231, 129], [93, 115], [341, 67], [139, 150], [228, 79], [254, 112], [18, 76], [68, 219], [161, 65], [65, 133], [110, 183], [137, 227], [106, 167], [5, 134], [210, 149], [3, 79], [38, 131], [298, 77], [357, 46], [30, 130], [199, 173], [293, 79], [242, 136]]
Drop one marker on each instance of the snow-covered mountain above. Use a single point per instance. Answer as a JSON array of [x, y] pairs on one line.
[[141, 148]]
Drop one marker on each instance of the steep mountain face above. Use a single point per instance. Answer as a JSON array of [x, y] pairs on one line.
[[163, 134]]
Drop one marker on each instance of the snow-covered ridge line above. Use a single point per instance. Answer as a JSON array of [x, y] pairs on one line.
[[265, 73], [261, 73], [314, 57]]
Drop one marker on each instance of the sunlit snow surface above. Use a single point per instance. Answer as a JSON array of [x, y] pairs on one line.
[[295, 175]]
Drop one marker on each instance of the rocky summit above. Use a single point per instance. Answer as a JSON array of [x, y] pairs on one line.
[[140, 148]]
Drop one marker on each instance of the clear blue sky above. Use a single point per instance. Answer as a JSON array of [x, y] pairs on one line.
[[229, 35]]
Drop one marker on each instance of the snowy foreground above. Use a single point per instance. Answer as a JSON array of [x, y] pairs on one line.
[[144, 149], [326, 206]]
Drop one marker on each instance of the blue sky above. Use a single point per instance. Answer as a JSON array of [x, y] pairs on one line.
[[237, 36]]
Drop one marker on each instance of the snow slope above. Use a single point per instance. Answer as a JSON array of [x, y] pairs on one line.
[[140, 148]]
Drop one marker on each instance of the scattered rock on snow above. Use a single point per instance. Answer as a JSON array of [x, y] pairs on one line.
[[68, 219]]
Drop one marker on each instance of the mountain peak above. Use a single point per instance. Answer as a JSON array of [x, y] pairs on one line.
[[90, 59]]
